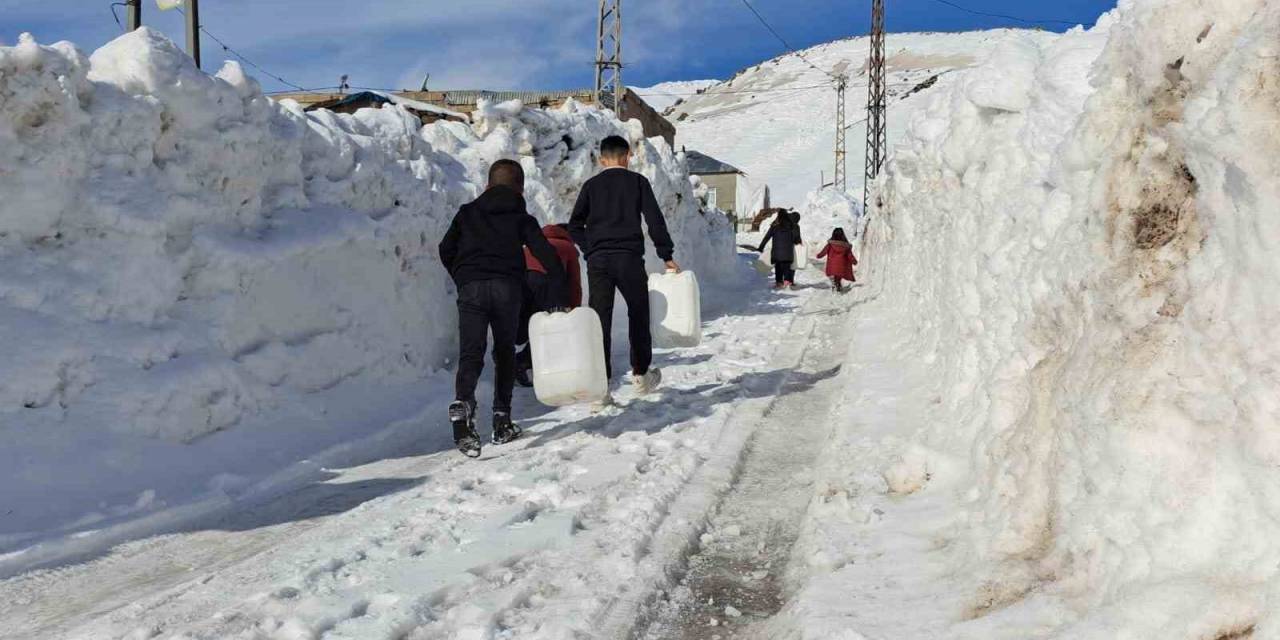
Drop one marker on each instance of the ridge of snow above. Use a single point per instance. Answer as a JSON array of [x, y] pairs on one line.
[[664, 95], [1065, 398], [197, 282]]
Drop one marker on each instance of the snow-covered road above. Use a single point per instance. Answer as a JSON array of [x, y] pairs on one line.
[[569, 533]]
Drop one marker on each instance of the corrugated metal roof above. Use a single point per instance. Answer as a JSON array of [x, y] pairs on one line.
[[703, 164]]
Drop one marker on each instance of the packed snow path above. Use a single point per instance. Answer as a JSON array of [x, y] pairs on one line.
[[736, 579], [569, 532]]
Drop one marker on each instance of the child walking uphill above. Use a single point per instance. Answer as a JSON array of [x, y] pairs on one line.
[[606, 224], [484, 252], [840, 259], [537, 293], [785, 235]]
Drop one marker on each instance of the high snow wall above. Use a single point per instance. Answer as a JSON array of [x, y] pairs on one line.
[[179, 253], [1084, 234]]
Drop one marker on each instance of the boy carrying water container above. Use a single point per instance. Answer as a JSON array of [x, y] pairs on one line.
[[484, 253], [606, 224]]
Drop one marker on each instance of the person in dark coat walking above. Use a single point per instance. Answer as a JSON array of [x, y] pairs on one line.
[[785, 235], [484, 253], [840, 259], [606, 224], [537, 292]]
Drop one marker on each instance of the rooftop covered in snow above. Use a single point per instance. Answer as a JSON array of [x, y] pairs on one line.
[[701, 164]]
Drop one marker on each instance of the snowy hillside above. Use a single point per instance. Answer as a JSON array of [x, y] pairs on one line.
[[776, 120], [664, 95], [199, 286], [1065, 396]]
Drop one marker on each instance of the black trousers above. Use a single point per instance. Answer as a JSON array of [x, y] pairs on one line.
[[537, 298], [783, 272], [625, 273], [485, 305]]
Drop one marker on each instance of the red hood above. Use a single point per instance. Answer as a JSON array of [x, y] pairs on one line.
[[556, 232]]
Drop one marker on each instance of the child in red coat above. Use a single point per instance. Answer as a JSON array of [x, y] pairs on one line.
[[840, 259]]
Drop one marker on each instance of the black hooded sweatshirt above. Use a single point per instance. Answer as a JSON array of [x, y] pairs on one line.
[[606, 218], [487, 238]]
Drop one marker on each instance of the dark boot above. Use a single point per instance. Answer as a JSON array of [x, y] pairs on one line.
[[504, 430], [462, 415]]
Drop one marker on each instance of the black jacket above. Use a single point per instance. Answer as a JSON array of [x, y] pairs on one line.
[[606, 218], [487, 239], [785, 239]]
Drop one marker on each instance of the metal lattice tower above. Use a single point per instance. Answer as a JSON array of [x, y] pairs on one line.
[[841, 181], [877, 136], [609, 88]]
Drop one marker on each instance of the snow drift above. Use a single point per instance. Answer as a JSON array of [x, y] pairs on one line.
[[1082, 234], [180, 255]]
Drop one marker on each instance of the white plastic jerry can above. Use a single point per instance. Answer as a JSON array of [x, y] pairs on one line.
[[568, 357], [675, 309], [802, 257]]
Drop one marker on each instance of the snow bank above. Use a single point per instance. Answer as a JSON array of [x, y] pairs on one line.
[[824, 211], [180, 255], [1080, 234]]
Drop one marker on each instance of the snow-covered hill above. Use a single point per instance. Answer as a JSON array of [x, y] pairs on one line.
[[664, 95], [776, 120]]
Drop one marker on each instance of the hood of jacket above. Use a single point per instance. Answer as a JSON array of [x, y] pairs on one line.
[[556, 232], [840, 243]]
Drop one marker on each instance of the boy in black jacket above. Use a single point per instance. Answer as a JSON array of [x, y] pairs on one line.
[[606, 224], [484, 252]]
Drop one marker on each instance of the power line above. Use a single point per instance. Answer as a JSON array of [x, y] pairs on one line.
[[1004, 16], [711, 92], [226, 47], [784, 41], [116, 15], [716, 93]]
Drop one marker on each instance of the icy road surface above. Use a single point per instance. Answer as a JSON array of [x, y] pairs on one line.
[[571, 532]]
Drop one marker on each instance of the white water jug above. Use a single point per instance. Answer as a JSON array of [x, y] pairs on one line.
[[568, 357], [802, 257], [675, 309]]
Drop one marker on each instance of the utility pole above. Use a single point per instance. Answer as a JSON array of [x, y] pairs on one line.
[[193, 30], [609, 89], [133, 13], [877, 132], [840, 181]]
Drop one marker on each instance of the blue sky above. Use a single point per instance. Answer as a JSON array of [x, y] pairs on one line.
[[510, 44]]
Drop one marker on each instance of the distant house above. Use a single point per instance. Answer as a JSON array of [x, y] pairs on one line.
[[458, 105], [721, 179]]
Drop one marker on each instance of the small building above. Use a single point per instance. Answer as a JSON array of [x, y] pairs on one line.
[[721, 179], [453, 105]]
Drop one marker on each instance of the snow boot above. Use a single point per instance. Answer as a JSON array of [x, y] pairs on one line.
[[647, 382], [504, 430], [462, 415], [524, 377]]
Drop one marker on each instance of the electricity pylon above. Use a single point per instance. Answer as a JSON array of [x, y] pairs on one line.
[[877, 133], [841, 180], [609, 88]]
